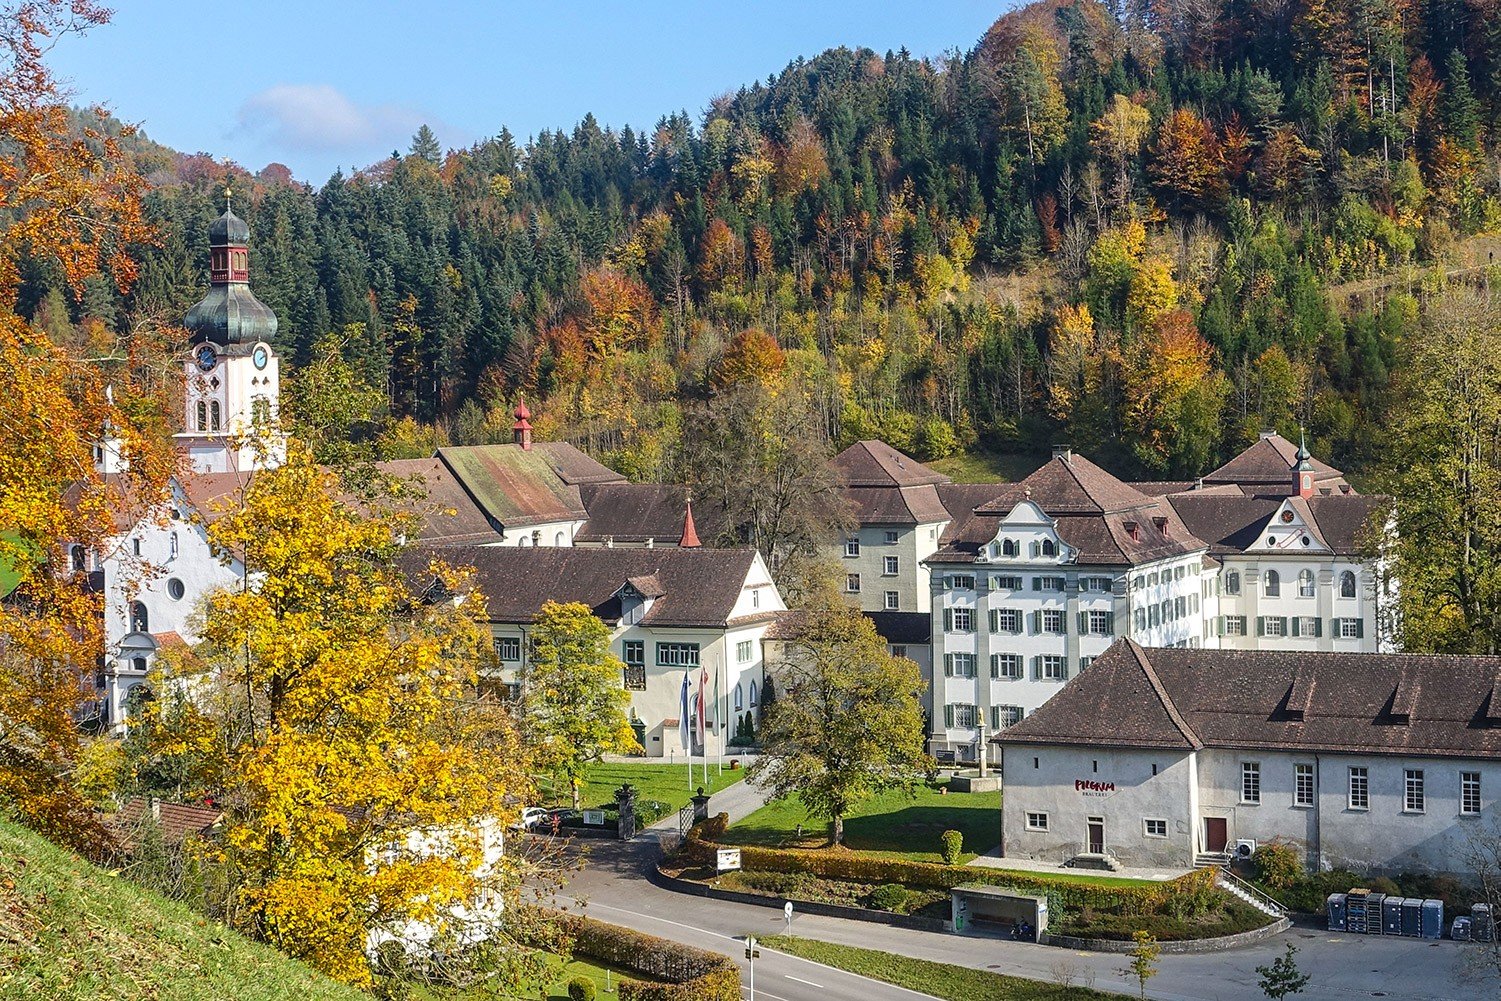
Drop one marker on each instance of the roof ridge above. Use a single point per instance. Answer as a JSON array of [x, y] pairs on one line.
[[1168, 705]]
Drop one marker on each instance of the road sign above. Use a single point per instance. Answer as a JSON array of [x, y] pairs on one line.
[[787, 911], [728, 859], [594, 818]]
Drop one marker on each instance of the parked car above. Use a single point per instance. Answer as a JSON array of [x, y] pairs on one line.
[[531, 817]]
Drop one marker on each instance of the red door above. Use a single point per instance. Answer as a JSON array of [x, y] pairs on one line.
[[1216, 833]]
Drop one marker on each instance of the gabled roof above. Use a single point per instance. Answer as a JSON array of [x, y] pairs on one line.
[[518, 487], [1071, 484], [177, 820], [692, 587], [635, 512], [1234, 523], [1357, 703], [1267, 465], [446, 513], [877, 464]]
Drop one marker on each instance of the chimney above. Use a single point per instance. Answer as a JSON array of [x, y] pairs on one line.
[[1133, 529], [1064, 452], [521, 431], [651, 543], [1268, 433], [1161, 524], [156, 808], [690, 533], [1199, 483]]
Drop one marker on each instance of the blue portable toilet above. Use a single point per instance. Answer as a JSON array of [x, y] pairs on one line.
[[1391, 916], [1482, 925], [1433, 919], [1412, 917], [1336, 903], [1374, 910]]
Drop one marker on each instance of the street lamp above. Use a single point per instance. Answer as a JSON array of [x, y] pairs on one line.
[[751, 955]]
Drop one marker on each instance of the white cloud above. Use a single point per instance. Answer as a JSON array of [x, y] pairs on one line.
[[317, 117]]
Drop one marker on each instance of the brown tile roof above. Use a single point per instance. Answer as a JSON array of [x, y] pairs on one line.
[[446, 513], [631, 513], [518, 488], [1071, 484], [213, 495], [1231, 523], [1363, 703], [1267, 466], [877, 464], [699, 587], [177, 820], [914, 505]]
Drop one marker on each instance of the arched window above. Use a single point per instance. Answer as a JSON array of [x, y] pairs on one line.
[[559, 540], [136, 698], [1273, 584], [1347, 584], [80, 558], [1305, 584], [172, 546], [1049, 547], [523, 542], [213, 415], [1008, 547], [260, 411], [753, 695], [140, 621], [1232, 582], [739, 698], [202, 416]]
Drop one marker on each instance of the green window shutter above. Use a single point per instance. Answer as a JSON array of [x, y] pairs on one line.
[[948, 715], [1318, 627], [995, 665], [995, 620], [1083, 623], [948, 665], [1261, 625], [1297, 626], [1360, 629], [1219, 625], [948, 620], [1284, 624]]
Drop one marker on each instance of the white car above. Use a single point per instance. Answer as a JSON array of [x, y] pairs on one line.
[[530, 818]]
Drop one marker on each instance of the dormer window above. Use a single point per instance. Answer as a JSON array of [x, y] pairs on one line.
[[1008, 547], [1049, 547]]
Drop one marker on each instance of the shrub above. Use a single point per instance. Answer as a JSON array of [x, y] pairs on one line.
[[888, 896], [952, 846], [580, 989], [1278, 865]]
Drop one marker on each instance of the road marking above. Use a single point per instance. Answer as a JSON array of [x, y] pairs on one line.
[[801, 980], [763, 994], [835, 969]]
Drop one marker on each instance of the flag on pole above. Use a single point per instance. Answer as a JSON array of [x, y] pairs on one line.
[[703, 685], [684, 733]]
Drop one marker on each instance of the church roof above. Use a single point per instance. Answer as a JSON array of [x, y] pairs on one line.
[[519, 487], [229, 230], [1267, 466]]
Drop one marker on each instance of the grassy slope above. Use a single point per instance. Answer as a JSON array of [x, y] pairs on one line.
[[954, 983], [69, 930], [986, 467], [888, 825]]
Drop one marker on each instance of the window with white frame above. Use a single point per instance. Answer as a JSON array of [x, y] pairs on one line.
[[1235, 625], [959, 665], [1272, 584], [1273, 625], [1084, 663], [1349, 629], [1250, 782], [890, 566], [1007, 666], [1306, 586], [1005, 620], [1469, 794], [961, 716], [1096, 585], [959, 620], [1413, 800], [744, 650], [1003, 716], [1051, 620], [852, 583], [961, 582], [1005, 582], [1360, 788], [852, 547], [1155, 827], [677, 654], [1037, 821], [1048, 583], [1302, 785], [508, 648], [1008, 547], [891, 537], [1100, 622], [1052, 667], [893, 601], [1307, 626]]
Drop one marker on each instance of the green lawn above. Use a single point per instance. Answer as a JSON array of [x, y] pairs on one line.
[[953, 983], [889, 825], [663, 785], [985, 467]]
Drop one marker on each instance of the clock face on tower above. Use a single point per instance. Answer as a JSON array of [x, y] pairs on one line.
[[259, 356], [206, 357]]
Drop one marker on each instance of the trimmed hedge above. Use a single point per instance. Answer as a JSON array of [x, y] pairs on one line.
[[692, 974], [1188, 895]]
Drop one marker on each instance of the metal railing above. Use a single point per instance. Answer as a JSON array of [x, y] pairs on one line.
[[1250, 889]]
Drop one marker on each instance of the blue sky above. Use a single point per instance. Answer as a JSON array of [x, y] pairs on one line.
[[318, 85]]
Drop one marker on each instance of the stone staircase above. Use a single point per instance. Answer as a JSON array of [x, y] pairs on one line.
[[1237, 887], [1097, 861], [1206, 860]]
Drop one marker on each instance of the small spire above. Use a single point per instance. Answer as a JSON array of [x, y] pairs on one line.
[[690, 532], [1303, 455], [521, 431], [228, 194]]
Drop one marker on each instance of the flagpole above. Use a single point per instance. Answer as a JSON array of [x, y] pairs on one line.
[[718, 694]]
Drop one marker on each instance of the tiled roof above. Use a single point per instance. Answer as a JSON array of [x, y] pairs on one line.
[[903, 627], [446, 513], [635, 512], [877, 464], [1355, 703], [1071, 484], [519, 487], [1268, 463], [914, 505], [177, 820], [1231, 523], [699, 587]]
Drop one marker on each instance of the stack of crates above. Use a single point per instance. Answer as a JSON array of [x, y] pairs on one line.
[[1374, 906], [1355, 910], [1482, 923], [1391, 915], [1336, 903]]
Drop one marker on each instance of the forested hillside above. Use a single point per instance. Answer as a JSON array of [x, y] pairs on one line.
[[1136, 228]]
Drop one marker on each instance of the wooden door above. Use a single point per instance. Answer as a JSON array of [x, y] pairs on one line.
[[1216, 833], [1096, 835]]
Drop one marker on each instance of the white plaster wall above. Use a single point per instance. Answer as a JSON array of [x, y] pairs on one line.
[[1327, 603], [914, 544]]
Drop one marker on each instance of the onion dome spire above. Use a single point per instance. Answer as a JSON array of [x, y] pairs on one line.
[[230, 313]]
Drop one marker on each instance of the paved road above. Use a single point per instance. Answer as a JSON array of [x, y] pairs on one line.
[[615, 889]]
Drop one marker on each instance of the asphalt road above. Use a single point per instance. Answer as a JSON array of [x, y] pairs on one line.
[[614, 888]]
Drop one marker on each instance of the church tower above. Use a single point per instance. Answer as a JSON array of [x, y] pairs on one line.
[[231, 372]]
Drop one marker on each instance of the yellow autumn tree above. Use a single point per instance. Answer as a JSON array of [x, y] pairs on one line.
[[1175, 394], [1072, 356], [72, 202], [366, 780]]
